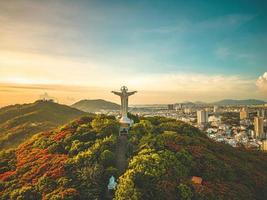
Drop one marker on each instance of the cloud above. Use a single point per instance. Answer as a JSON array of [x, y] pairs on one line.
[[189, 81], [152, 88], [262, 82]]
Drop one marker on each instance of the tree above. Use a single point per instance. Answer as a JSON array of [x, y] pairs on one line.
[[25, 193], [185, 192], [107, 158]]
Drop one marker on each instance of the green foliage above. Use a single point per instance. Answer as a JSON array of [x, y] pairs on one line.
[[7, 160], [105, 126], [185, 192], [133, 117], [165, 158], [46, 184], [25, 193], [107, 158]]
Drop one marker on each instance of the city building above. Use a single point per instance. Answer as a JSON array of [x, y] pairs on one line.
[[261, 113], [244, 114], [170, 107], [187, 110], [264, 145], [202, 117], [178, 106], [258, 127], [215, 109]]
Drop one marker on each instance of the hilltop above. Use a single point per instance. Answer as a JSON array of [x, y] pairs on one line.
[[76, 160], [95, 105], [21, 121]]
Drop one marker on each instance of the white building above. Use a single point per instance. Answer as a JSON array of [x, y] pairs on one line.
[[202, 117], [258, 127], [215, 109], [264, 145]]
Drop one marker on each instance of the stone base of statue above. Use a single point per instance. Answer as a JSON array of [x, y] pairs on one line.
[[125, 124]]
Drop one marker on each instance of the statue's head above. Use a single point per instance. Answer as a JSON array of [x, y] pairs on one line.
[[124, 89]]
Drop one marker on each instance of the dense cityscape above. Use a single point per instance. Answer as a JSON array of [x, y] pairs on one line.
[[238, 125]]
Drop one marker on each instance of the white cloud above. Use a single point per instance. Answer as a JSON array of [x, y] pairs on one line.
[[262, 82]]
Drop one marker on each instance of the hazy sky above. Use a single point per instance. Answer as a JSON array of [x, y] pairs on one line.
[[170, 51]]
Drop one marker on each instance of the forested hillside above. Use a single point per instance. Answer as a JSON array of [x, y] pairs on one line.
[[21, 121], [76, 160]]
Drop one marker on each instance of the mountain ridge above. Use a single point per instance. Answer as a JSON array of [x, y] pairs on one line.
[[20, 121], [228, 102], [240, 102], [95, 105]]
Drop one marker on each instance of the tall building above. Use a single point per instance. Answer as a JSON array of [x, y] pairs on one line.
[[170, 107], [215, 109], [261, 113], [264, 145], [177, 107], [258, 127], [202, 117], [244, 113]]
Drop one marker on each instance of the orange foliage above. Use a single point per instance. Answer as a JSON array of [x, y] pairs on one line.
[[39, 162], [6, 175], [63, 193], [196, 151], [67, 192], [61, 135], [173, 146]]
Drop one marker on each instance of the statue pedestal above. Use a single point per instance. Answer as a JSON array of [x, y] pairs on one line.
[[125, 124]]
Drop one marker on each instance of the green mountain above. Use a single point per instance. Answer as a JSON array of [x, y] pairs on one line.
[[233, 102], [20, 122], [95, 105], [161, 159]]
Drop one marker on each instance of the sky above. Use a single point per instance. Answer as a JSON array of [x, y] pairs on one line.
[[169, 51]]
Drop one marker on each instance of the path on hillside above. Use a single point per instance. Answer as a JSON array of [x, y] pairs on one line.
[[121, 149], [121, 160]]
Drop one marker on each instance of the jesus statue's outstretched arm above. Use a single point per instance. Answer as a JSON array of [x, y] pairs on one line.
[[117, 93], [131, 93]]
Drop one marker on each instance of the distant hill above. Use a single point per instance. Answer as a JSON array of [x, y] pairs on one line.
[[239, 102], [95, 105], [21, 121]]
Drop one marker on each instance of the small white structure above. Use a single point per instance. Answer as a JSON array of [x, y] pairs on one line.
[[112, 183], [124, 121]]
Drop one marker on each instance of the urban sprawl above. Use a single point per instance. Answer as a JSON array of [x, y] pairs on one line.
[[238, 126]]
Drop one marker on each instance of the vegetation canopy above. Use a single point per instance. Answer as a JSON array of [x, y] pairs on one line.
[[75, 161]]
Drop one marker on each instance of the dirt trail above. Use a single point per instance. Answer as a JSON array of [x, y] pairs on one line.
[[121, 159]]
